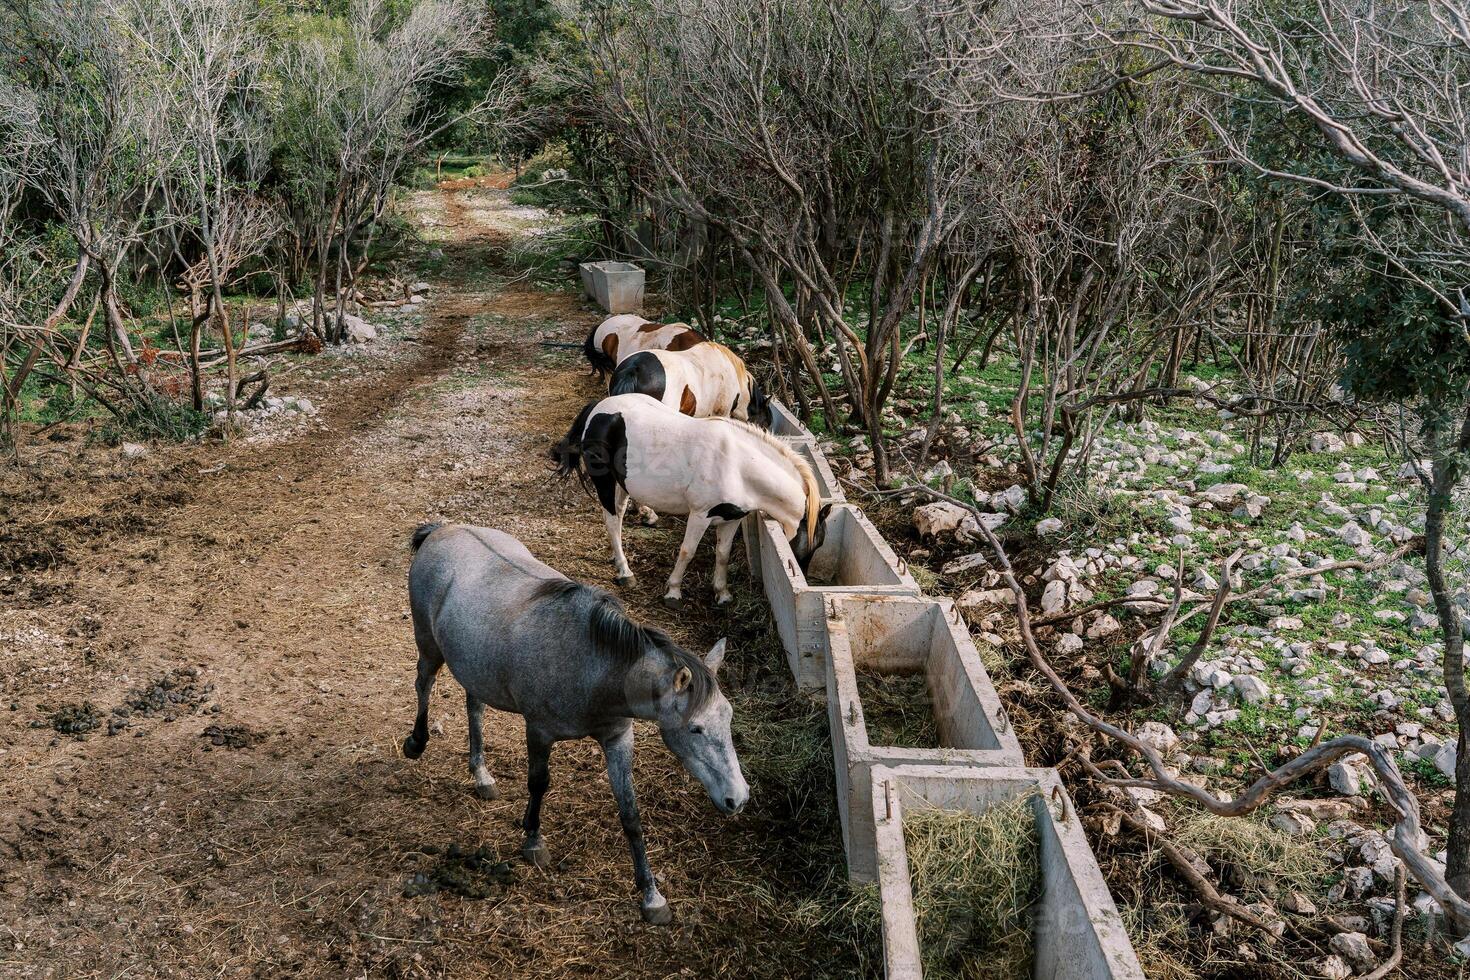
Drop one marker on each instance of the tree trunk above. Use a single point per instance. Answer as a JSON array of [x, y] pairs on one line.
[[1446, 476]]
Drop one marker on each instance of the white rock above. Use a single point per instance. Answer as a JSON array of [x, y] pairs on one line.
[[1012, 498], [1103, 625], [1069, 643], [940, 517], [1353, 947], [1054, 597], [1159, 735], [1332, 968], [134, 450], [1353, 535], [969, 563], [1048, 527], [1345, 778], [357, 330], [1445, 759], [1252, 689], [982, 599], [1326, 442], [1294, 824]]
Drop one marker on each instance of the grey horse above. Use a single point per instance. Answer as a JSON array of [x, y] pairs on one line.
[[520, 636]]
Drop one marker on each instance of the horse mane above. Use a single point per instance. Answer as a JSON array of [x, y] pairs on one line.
[[617, 636], [803, 470]]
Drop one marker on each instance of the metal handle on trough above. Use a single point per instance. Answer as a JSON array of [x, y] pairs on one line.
[[887, 799], [954, 611], [903, 566], [1060, 799], [790, 569], [852, 712], [1005, 719]]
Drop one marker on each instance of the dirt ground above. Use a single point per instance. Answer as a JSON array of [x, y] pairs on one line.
[[234, 613]]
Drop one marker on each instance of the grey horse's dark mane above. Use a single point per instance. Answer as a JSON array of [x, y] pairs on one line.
[[613, 633]]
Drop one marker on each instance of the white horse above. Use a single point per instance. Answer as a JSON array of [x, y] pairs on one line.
[[715, 470], [626, 334], [707, 379]]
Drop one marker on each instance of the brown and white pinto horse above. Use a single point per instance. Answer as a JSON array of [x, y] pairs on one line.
[[626, 334], [707, 379]]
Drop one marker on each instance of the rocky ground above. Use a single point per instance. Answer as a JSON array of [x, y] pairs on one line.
[[1159, 507]]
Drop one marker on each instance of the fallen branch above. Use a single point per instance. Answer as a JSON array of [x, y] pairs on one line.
[[1407, 832]]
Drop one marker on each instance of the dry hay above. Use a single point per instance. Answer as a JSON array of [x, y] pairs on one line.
[[897, 710], [975, 879], [1262, 858]]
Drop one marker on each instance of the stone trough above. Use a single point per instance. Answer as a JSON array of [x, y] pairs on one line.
[[1078, 933], [616, 286], [807, 449], [919, 637], [785, 423], [853, 559]]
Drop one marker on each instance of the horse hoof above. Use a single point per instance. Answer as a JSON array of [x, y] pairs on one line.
[[412, 748], [487, 791], [649, 518], [658, 915], [724, 600], [538, 855], [673, 602], [624, 581]]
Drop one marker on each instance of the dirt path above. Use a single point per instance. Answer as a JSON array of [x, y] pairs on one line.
[[255, 818]]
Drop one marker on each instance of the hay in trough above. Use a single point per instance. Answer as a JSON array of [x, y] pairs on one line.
[[976, 879], [897, 709]]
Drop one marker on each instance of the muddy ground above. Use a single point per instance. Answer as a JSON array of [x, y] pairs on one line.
[[206, 670]]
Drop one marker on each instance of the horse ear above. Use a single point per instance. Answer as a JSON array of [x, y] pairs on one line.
[[682, 677], [715, 657]]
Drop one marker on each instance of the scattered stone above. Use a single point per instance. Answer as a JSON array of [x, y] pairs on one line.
[[1353, 947], [1103, 626], [941, 517], [1293, 823], [1252, 689], [134, 450], [1049, 527], [1326, 442], [984, 599], [1069, 643], [1332, 968], [1353, 535], [1159, 735], [1299, 903]]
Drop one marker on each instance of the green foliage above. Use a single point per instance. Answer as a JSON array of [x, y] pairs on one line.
[[150, 415]]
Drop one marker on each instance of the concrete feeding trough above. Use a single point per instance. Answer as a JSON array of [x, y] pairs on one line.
[[964, 723], [826, 482], [785, 423], [616, 286], [1077, 931], [854, 558]]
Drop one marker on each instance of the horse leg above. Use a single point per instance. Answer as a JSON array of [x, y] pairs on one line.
[[538, 778], [693, 534], [622, 574], [724, 539], [485, 787], [430, 660], [618, 751]]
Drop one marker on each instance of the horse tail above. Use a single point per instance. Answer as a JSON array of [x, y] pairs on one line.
[[566, 454], [599, 360], [420, 533]]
